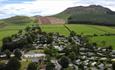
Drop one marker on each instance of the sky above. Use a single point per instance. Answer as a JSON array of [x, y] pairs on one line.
[[10, 8]]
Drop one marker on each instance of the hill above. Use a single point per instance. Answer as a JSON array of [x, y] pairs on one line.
[[93, 14], [17, 20]]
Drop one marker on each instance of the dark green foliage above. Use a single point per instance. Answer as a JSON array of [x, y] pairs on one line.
[[2, 66], [75, 49], [13, 64], [6, 43], [17, 53], [20, 32], [27, 29], [72, 56], [64, 62], [49, 39], [52, 52], [113, 65], [8, 53], [94, 44], [92, 18], [33, 66], [67, 51], [72, 33], [50, 66]]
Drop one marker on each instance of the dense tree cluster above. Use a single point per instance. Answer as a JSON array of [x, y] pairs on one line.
[[12, 64], [51, 51]]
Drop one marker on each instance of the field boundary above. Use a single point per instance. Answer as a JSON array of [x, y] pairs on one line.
[[67, 28]]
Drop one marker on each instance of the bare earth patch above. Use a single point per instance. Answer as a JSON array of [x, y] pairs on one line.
[[50, 20]]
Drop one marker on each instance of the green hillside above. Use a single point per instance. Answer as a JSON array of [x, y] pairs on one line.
[[18, 20], [93, 14]]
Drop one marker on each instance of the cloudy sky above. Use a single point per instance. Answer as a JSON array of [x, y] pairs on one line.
[[10, 8]]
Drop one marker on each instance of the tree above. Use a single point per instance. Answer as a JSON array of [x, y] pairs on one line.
[[72, 33], [49, 39], [47, 51], [113, 65], [52, 52], [20, 32], [69, 39], [94, 44], [64, 62], [50, 66], [6, 43], [8, 53], [27, 29], [75, 49], [18, 53], [33, 66], [2, 66], [72, 56], [66, 50], [13, 64]]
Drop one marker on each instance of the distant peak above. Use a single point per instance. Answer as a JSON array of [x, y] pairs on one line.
[[95, 6]]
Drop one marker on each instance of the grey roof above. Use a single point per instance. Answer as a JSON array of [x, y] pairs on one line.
[[113, 52]]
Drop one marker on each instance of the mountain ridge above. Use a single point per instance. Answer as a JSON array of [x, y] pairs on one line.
[[94, 13]]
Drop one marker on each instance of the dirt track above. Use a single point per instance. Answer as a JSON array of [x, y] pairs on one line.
[[50, 20]]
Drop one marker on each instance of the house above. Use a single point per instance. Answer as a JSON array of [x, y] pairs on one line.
[[33, 55], [60, 48]]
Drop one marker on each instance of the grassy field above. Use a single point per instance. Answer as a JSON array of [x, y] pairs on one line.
[[55, 28], [104, 29], [85, 29], [109, 41], [94, 29]]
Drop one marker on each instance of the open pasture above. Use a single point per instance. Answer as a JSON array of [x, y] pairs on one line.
[[90, 29], [109, 41], [78, 28], [55, 28]]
